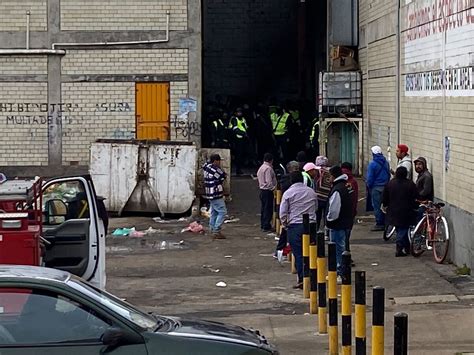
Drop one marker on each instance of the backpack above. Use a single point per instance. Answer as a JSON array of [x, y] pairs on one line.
[[323, 185]]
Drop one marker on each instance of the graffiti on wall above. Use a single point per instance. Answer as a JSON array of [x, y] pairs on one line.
[[185, 123], [440, 35]]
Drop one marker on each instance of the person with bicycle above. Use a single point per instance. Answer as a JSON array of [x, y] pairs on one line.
[[399, 198], [424, 184]]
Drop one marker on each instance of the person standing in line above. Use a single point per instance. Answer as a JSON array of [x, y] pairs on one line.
[[339, 217], [267, 183], [310, 173], [378, 175], [323, 188], [214, 178], [347, 169], [285, 183], [301, 159], [404, 159], [399, 197], [297, 201]]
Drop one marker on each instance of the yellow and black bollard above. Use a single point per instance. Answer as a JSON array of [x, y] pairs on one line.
[[346, 304], [400, 334], [322, 311], [360, 315], [313, 269], [277, 211], [306, 280], [378, 321], [332, 296]]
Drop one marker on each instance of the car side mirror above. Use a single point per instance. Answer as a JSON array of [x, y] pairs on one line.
[[116, 337]]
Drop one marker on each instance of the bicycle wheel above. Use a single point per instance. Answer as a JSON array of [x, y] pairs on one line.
[[388, 232], [417, 238], [441, 240]]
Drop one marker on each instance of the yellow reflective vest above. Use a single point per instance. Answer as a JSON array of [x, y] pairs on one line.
[[279, 123]]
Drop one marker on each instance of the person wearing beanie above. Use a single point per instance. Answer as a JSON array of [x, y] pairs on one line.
[[424, 184], [378, 175], [404, 159], [399, 197], [323, 188], [339, 218]]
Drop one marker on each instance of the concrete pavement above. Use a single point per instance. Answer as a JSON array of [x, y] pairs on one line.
[[181, 280]]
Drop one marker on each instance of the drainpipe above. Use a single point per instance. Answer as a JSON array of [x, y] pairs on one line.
[[28, 13], [398, 74], [32, 52], [91, 44]]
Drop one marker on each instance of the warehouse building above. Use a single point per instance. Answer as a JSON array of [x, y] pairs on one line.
[[75, 71], [416, 59]]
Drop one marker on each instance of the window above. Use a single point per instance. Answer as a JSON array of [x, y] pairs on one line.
[[32, 316], [63, 201]]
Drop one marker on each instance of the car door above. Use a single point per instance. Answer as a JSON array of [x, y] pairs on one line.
[[72, 228], [43, 321]]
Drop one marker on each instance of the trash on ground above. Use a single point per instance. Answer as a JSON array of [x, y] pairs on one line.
[[183, 219], [228, 256], [265, 254], [221, 284], [136, 234], [205, 212], [122, 232], [152, 230], [181, 242], [272, 234], [160, 220], [214, 270], [375, 264], [194, 227], [205, 266], [233, 220]]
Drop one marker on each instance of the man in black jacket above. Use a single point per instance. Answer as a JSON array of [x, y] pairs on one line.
[[424, 182], [399, 197], [339, 218]]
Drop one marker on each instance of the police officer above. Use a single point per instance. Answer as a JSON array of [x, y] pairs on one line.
[[219, 127], [238, 127], [279, 121]]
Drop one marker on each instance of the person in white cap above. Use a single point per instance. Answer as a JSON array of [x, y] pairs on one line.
[[378, 175]]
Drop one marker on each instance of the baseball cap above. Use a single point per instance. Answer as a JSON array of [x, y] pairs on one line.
[[214, 157], [309, 166]]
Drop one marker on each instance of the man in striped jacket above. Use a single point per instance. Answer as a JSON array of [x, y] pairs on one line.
[[214, 178]]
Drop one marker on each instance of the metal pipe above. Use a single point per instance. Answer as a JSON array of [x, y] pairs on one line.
[[398, 74], [91, 44], [28, 13], [31, 51]]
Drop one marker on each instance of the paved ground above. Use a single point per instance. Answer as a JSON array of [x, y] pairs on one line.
[[159, 273]]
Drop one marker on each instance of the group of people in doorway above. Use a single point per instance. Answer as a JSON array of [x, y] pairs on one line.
[[329, 195], [396, 201], [282, 129]]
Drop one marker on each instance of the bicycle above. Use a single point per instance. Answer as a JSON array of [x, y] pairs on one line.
[[431, 233], [389, 232]]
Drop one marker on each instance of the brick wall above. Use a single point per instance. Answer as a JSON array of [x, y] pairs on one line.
[[119, 15], [125, 61], [23, 123], [13, 15], [23, 65], [250, 47]]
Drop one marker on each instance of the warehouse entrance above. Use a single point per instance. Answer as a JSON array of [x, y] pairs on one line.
[[258, 54]]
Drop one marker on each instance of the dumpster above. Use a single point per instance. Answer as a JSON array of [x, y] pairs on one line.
[[144, 176]]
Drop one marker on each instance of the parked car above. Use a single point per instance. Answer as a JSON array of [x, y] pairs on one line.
[[49, 311]]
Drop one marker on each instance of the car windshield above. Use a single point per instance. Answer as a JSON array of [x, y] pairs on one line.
[[120, 307]]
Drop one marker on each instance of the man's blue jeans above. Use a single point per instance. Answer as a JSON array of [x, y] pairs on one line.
[[339, 236], [218, 212], [295, 236], [376, 194], [402, 238]]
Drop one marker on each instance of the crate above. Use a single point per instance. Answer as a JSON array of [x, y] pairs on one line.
[[340, 94]]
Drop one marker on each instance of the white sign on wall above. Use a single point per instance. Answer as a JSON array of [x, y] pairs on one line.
[[440, 35]]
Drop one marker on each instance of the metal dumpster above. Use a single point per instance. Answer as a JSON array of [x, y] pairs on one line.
[[144, 176]]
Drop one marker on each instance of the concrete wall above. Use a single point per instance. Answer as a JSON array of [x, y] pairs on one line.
[[250, 48], [435, 41], [53, 106]]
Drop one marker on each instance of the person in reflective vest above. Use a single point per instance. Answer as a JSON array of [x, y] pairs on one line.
[[219, 134], [238, 126], [280, 128]]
